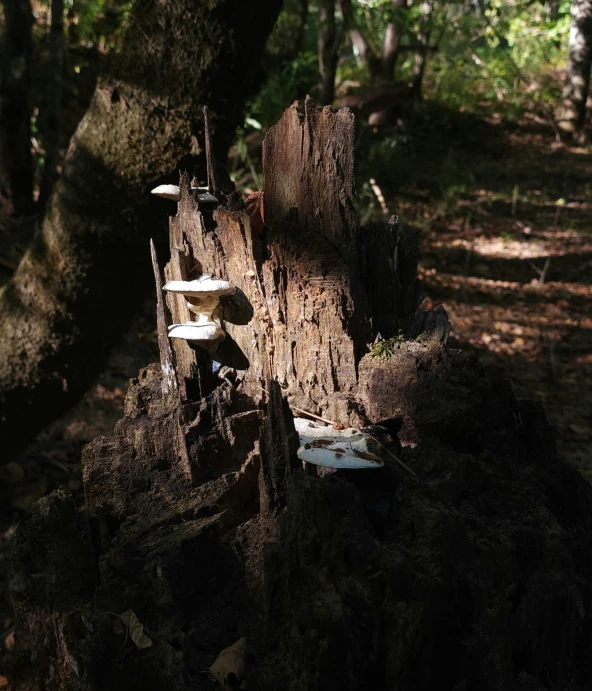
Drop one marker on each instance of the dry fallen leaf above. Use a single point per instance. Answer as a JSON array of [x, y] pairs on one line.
[[136, 629], [254, 207], [229, 668]]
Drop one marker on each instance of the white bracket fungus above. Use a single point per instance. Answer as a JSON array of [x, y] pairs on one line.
[[202, 295], [323, 445], [173, 192]]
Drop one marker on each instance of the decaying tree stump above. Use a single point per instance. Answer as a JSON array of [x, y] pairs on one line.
[[472, 572]]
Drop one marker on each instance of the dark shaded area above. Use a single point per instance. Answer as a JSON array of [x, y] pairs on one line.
[[87, 267], [16, 163]]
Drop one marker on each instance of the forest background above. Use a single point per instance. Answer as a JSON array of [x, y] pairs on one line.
[[468, 128]]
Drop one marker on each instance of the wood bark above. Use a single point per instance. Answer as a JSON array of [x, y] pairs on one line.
[[80, 280], [16, 164], [572, 112], [473, 573]]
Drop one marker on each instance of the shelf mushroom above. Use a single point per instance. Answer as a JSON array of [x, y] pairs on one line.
[[202, 297], [325, 446], [173, 192]]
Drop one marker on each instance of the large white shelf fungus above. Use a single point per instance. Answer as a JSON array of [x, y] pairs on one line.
[[345, 449], [202, 297], [173, 192]]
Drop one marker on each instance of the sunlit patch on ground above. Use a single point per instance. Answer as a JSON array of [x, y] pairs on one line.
[[510, 257]]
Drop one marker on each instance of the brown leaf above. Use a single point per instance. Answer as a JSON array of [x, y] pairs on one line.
[[136, 629], [338, 426], [367, 456], [338, 450], [229, 668]]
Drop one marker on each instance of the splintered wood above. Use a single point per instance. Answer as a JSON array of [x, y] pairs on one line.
[[313, 289]]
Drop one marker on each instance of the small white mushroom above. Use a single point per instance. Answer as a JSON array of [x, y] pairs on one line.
[[205, 331], [202, 297], [325, 446], [172, 192]]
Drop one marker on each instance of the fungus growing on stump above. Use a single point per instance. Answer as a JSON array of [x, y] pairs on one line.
[[202, 297], [347, 449], [173, 192]]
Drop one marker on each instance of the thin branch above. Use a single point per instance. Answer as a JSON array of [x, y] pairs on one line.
[[210, 163]]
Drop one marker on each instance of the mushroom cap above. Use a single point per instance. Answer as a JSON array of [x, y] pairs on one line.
[[191, 331], [322, 445], [200, 287], [207, 199], [168, 192]]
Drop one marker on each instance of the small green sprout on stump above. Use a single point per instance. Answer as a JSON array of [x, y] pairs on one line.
[[386, 348]]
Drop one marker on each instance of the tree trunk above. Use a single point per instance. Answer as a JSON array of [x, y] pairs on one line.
[[380, 69], [328, 50], [471, 571], [572, 112], [360, 42], [392, 39], [423, 39], [85, 271], [16, 163], [54, 102]]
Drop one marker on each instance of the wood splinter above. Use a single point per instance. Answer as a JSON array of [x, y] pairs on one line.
[[169, 381]]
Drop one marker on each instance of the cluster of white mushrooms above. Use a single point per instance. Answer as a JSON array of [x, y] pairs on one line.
[[202, 297], [347, 449], [202, 294]]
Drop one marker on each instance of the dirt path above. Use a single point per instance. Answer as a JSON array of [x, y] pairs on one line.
[[508, 251]]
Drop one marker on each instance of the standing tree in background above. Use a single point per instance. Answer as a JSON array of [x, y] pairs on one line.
[[16, 164], [328, 50], [54, 101], [79, 282], [381, 68], [572, 111]]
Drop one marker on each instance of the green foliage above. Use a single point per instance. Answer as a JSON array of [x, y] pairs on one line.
[[501, 56], [386, 348], [291, 81]]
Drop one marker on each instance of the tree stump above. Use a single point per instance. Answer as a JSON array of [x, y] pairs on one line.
[[473, 571]]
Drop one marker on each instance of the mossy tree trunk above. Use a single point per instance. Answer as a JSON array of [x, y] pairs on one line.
[[86, 269]]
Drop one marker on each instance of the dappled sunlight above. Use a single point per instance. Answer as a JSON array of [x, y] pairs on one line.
[[507, 249]]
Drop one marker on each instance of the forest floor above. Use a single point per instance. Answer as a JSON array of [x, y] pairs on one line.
[[506, 215]]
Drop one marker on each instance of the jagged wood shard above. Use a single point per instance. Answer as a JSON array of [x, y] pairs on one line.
[[169, 382]]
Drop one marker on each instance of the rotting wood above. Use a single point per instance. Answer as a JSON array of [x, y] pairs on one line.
[[199, 519]]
